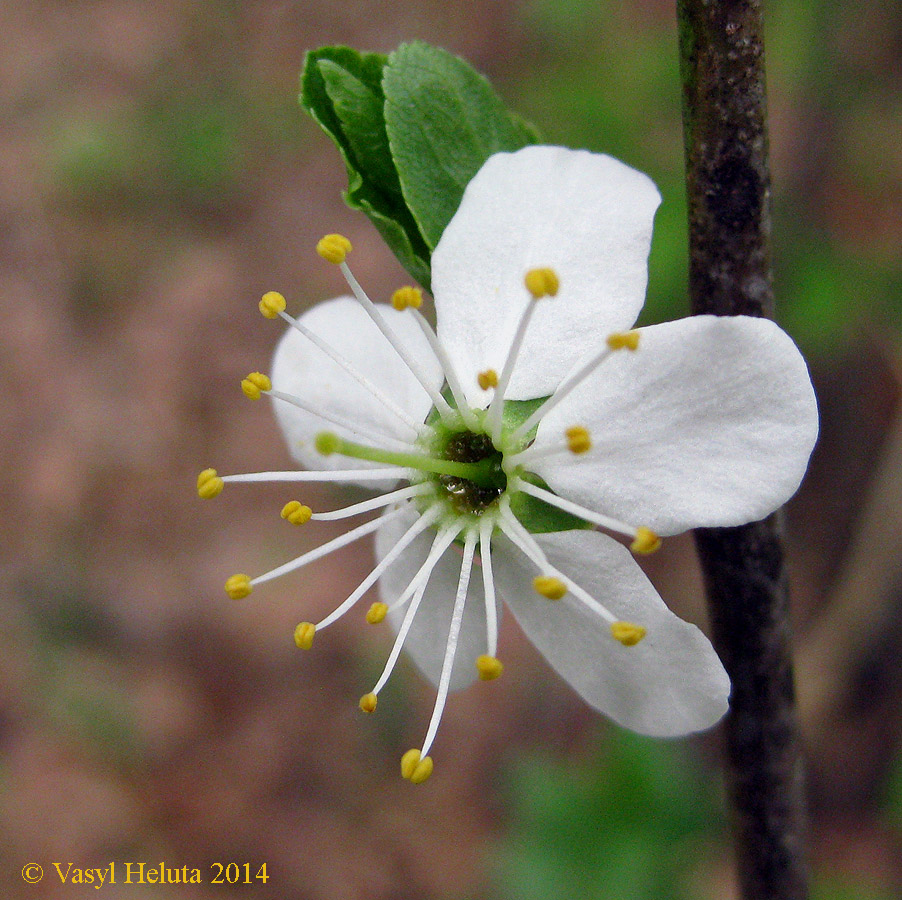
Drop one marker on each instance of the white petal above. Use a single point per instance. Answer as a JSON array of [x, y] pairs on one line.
[[587, 216], [302, 369], [428, 636], [709, 423], [670, 683]]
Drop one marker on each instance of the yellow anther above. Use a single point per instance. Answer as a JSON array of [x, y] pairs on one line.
[[368, 703], [646, 541], [295, 512], [415, 769], [487, 379], [549, 586], [209, 484], [627, 633], [489, 667], [238, 586], [271, 304], [541, 282], [327, 443], [620, 340], [407, 296], [409, 762], [578, 440], [303, 635], [333, 248], [254, 384], [376, 613]]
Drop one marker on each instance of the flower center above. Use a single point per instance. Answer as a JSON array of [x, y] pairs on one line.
[[466, 495]]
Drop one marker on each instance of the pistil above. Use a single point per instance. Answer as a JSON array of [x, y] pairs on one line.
[[482, 473]]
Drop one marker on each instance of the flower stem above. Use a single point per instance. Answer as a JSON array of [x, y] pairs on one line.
[[728, 184]]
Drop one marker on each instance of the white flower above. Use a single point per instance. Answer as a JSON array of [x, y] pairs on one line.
[[533, 399]]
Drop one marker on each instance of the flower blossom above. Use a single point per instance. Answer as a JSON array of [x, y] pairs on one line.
[[506, 447]]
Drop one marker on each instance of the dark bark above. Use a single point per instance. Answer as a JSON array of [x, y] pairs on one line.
[[728, 183]]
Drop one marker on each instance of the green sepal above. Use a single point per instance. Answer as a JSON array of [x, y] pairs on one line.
[[536, 516], [516, 412], [539, 517]]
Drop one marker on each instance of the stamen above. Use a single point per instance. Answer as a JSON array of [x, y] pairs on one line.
[[368, 703], [615, 342], [443, 539], [578, 440], [272, 304], [333, 475], [487, 379], [542, 283], [457, 616], [407, 297], [482, 472], [460, 398], [489, 667], [438, 401], [415, 767], [628, 633], [374, 503], [645, 540], [423, 573], [493, 417], [526, 543], [420, 525], [209, 484], [624, 340], [238, 586], [335, 544], [486, 526], [334, 248], [354, 428], [295, 512], [255, 384], [549, 587], [303, 635], [343, 363], [376, 613]]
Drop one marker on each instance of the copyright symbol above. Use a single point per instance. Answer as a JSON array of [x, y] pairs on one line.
[[32, 873]]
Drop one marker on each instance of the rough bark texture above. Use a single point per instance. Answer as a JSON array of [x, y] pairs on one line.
[[724, 116]]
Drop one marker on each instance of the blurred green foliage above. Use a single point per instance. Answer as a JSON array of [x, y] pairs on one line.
[[848, 889], [635, 821], [182, 148], [627, 824], [68, 632], [613, 86]]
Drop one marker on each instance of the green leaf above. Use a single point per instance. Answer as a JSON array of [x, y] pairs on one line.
[[412, 128], [443, 122], [358, 107], [342, 91], [364, 68]]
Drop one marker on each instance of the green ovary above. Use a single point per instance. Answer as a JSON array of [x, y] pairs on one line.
[[468, 496]]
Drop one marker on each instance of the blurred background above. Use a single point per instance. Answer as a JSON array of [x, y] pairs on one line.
[[156, 176]]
